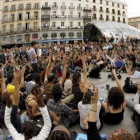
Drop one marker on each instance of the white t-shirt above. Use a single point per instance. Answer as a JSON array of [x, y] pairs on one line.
[[87, 107], [67, 86]]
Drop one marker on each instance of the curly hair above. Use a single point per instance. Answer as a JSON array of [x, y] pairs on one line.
[[115, 98]]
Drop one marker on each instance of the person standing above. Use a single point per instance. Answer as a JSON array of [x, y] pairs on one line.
[[33, 57]]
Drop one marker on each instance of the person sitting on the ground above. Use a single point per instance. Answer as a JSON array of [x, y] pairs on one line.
[[68, 115], [115, 106], [85, 106], [78, 87], [119, 65], [28, 128], [32, 101]]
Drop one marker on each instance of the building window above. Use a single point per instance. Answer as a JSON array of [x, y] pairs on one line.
[[94, 8], [53, 24], [106, 2], [63, 13], [112, 4], [28, 6], [123, 6], [62, 24], [118, 5], [13, 8], [4, 39], [107, 18], [113, 11], [71, 34], [46, 4], [62, 35], [123, 20], [113, 18], [19, 27], [27, 38], [54, 13], [86, 0], [20, 7], [19, 38], [4, 28], [36, 6], [101, 2], [94, 1], [119, 19], [79, 24], [19, 16], [11, 38], [79, 34], [45, 36], [94, 16], [53, 35], [5, 18], [35, 25], [11, 28], [27, 26], [12, 17], [71, 24], [5, 8], [35, 36], [36, 15]]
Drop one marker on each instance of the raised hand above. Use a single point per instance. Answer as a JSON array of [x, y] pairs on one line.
[[64, 60], [40, 98], [55, 118], [8, 99], [18, 75], [24, 68], [95, 98], [83, 57]]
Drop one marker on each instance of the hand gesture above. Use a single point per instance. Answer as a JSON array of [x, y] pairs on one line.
[[83, 57], [64, 60], [94, 100], [55, 118], [24, 68], [18, 75], [85, 120], [138, 87], [40, 98]]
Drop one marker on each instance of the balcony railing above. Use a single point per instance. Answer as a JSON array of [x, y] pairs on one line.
[[101, 18], [61, 16], [79, 8], [45, 16], [5, 10], [19, 19], [87, 17], [45, 27], [101, 10], [87, 9], [94, 9], [13, 9], [20, 8], [28, 8], [8, 20], [36, 7], [32, 18], [71, 16], [113, 12], [46, 7], [54, 16], [71, 7], [54, 6], [63, 7]]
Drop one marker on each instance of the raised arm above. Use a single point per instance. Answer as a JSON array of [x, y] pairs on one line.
[[117, 80], [84, 80], [3, 87], [64, 70], [22, 78]]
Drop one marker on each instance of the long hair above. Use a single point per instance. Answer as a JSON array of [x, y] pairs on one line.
[[75, 79]]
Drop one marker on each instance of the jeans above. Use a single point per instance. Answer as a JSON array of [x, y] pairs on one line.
[[130, 103], [2, 137], [24, 118], [75, 69]]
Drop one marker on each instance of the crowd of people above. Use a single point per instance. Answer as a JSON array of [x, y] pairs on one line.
[[45, 90]]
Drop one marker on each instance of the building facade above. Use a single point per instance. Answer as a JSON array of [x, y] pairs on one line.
[[135, 22], [55, 21]]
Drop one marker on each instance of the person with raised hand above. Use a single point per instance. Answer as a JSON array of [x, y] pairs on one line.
[[90, 121], [28, 128], [115, 106]]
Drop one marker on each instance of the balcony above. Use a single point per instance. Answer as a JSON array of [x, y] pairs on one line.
[[19, 19], [71, 7], [13, 9], [8, 20], [45, 27], [46, 7], [61, 16], [79, 8], [36, 7], [63, 7], [123, 14], [101, 18], [5, 10], [94, 9], [32, 18], [101, 10], [86, 9], [95, 18], [28, 8], [54, 6], [74, 17], [107, 11], [54, 16], [45, 16], [20, 8], [87, 17]]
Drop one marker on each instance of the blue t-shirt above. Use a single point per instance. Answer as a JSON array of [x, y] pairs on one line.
[[119, 64]]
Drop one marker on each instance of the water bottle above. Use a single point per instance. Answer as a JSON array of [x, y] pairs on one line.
[[102, 94], [103, 137]]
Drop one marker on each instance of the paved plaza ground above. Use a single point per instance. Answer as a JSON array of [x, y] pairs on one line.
[[127, 123]]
